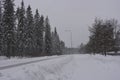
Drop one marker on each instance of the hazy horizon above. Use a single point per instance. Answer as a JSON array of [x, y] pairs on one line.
[[74, 15]]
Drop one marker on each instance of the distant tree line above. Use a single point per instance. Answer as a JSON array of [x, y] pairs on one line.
[[24, 34], [104, 37]]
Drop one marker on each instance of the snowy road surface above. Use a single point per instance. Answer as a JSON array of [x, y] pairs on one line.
[[69, 67]]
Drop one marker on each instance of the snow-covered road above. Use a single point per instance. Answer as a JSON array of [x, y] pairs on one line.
[[68, 67]]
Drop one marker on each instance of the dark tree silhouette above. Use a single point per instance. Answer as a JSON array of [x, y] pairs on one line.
[[9, 28]]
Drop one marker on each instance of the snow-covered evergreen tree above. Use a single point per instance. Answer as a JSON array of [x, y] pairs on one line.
[[48, 38], [102, 37], [39, 25], [9, 28], [56, 48], [41, 34], [23, 35], [29, 33], [21, 24]]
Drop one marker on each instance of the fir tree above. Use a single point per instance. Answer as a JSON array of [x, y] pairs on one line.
[[48, 38], [21, 29], [9, 28], [29, 33], [56, 48], [39, 25], [41, 34]]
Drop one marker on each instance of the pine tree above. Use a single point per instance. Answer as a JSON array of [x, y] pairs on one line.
[[95, 37], [108, 37], [48, 38], [29, 33], [102, 37], [20, 13], [39, 25], [9, 28]]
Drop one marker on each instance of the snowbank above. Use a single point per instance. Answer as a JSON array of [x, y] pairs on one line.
[[45, 70], [15, 60], [70, 67], [3, 58]]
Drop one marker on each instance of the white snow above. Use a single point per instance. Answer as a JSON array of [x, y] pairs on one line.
[[3, 58], [15, 60], [68, 67]]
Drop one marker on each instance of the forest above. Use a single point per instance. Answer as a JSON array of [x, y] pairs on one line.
[[25, 34]]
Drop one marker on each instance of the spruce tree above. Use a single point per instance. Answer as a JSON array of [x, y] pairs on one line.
[[21, 29], [41, 34], [29, 33], [9, 28], [58, 43], [39, 25], [56, 48], [48, 38]]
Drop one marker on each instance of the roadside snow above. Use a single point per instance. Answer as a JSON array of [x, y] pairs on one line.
[[45, 70], [87, 67], [70, 67], [15, 60], [3, 58]]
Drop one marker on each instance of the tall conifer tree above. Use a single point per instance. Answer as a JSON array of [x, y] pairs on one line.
[[29, 33], [9, 28], [48, 38], [39, 25], [21, 29], [56, 48]]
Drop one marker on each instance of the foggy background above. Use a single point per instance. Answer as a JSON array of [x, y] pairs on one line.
[[74, 15]]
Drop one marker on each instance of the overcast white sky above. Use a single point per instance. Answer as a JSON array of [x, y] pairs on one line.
[[75, 15]]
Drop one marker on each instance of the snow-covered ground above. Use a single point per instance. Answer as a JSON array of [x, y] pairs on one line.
[[15, 60], [3, 58], [68, 67]]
